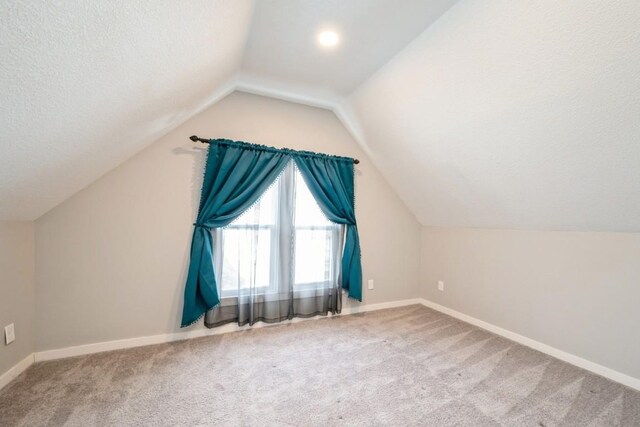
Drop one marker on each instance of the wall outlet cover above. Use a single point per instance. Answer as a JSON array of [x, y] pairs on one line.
[[441, 285], [9, 334], [370, 284]]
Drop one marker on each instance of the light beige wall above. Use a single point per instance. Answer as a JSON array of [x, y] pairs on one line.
[[16, 290], [578, 292], [112, 259]]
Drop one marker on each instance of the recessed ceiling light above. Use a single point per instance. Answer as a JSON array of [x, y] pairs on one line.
[[328, 38]]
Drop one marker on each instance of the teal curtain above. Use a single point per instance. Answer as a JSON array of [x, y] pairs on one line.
[[236, 175], [331, 183]]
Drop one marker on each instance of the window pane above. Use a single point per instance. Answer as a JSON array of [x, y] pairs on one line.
[[313, 256], [314, 238], [307, 212], [281, 242], [247, 255], [262, 212]]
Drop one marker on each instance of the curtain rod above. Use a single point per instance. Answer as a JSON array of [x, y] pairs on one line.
[[195, 138]]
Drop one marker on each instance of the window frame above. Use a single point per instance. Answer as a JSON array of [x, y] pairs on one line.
[[335, 230], [284, 221], [271, 287]]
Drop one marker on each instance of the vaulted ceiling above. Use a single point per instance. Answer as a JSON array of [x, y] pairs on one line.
[[480, 114], [86, 84], [514, 114]]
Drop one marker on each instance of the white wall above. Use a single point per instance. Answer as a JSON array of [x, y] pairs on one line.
[[16, 290], [576, 291], [111, 260]]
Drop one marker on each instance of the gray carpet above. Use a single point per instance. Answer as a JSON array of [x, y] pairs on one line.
[[403, 366]]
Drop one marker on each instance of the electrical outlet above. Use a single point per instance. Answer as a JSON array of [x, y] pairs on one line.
[[9, 334], [440, 285], [370, 283]]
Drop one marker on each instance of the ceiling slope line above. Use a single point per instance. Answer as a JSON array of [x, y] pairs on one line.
[[216, 95], [339, 106], [242, 85]]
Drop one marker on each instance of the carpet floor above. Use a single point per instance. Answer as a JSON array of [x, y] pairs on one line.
[[406, 366]]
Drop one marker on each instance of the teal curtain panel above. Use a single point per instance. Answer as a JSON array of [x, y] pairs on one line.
[[331, 182], [236, 176]]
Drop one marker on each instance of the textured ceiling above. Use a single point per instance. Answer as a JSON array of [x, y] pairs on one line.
[[480, 114], [510, 114], [85, 84]]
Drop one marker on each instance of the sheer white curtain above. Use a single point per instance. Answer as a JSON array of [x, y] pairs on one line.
[[279, 259]]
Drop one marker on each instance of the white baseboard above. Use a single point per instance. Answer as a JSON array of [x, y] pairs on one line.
[[572, 359], [16, 370], [80, 350], [380, 306]]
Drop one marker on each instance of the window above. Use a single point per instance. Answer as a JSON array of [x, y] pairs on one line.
[[283, 243]]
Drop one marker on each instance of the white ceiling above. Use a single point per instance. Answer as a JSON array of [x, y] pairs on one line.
[[514, 115], [496, 114], [281, 50], [85, 84]]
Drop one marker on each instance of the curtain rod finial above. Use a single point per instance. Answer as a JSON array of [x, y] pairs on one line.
[[356, 161], [193, 138]]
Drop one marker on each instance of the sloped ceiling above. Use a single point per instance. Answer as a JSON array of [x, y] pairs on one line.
[[85, 84], [513, 114], [480, 114]]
